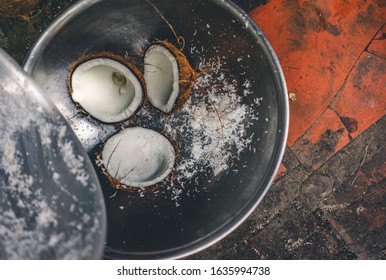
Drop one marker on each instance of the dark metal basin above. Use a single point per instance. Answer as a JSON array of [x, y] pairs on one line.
[[174, 221]]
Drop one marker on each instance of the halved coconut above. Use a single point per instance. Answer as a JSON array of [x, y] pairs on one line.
[[107, 86], [138, 157], [168, 75]]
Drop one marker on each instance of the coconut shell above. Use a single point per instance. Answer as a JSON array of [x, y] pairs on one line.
[[187, 75], [125, 61], [18, 8], [117, 184]]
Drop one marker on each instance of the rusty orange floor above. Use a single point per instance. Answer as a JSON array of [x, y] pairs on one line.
[[329, 198], [333, 57]]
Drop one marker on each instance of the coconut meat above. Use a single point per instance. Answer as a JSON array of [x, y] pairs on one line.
[[138, 157], [161, 73], [106, 89]]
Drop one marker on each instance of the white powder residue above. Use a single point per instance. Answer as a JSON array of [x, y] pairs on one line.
[[45, 131], [46, 217], [32, 191], [55, 176], [75, 163], [215, 129], [11, 163], [217, 122]]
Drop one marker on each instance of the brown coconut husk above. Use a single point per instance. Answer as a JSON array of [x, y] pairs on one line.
[[22, 9], [187, 75]]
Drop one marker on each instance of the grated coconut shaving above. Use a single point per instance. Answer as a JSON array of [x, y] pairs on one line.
[[210, 128], [30, 219]]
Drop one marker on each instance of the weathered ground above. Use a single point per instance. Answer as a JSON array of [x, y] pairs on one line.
[[329, 199]]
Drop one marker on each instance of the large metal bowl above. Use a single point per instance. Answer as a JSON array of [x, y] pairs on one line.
[[157, 224]]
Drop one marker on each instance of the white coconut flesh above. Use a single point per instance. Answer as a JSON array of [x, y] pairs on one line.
[[138, 157], [161, 73], [106, 89]]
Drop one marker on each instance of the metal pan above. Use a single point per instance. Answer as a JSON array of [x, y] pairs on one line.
[[241, 84]]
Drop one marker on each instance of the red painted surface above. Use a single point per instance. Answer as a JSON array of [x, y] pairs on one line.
[[317, 42], [326, 137], [378, 45], [363, 98]]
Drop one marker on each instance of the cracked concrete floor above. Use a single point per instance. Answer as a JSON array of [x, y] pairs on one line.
[[335, 212], [329, 198]]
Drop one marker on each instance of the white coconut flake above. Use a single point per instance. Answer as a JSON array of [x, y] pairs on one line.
[[217, 124], [212, 125], [75, 163], [30, 218], [46, 217]]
